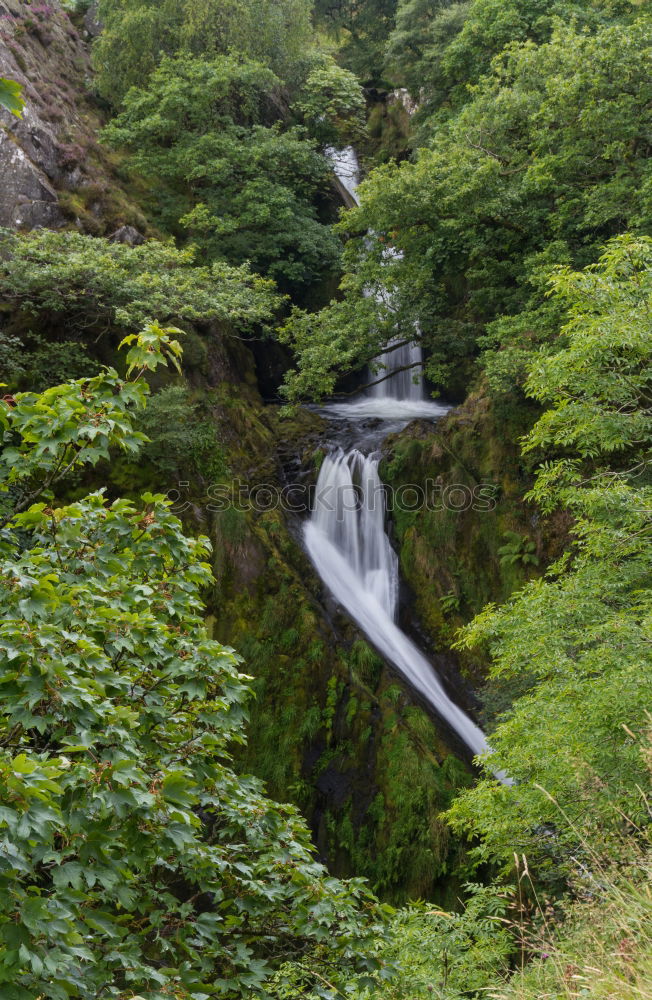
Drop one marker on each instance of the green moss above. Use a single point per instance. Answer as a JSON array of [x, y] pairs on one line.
[[451, 557]]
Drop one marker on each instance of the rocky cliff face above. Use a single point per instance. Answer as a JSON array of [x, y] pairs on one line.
[[53, 171]]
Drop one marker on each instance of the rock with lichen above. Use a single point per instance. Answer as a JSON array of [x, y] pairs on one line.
[[54, 172]]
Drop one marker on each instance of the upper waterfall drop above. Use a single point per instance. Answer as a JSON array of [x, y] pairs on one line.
[[346, 168], [402, 361]]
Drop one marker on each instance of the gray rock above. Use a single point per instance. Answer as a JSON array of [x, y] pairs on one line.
[[128, 235], [92, 23], [39, 143], [27, 199]]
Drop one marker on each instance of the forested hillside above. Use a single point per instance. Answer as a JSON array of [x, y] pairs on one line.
[[253, 251]]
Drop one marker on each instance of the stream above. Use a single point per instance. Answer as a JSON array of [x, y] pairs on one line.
[[345, 535]]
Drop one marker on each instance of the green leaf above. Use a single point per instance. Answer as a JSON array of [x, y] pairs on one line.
[[11, 97]]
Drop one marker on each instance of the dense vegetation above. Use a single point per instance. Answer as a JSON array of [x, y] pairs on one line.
[[244, 177], [138, 860], [546, 160]]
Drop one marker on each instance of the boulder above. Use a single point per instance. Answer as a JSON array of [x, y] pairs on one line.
[[128, 235]]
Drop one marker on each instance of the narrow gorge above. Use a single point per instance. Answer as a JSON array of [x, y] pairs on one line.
[[325, 499], [346, 537]]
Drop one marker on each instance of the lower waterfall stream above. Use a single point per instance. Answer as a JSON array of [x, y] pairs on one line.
[[346, 540], [345, 535]]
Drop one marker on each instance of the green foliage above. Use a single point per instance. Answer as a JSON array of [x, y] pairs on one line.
[[11, 97], [95, 285], [138, 33], [441, 49], [241, 189], [597, 388], [181, 439], [76, 6], [332, 104], [361, 27], [44, 364], [580, 635], [450, 602], [135, 861], [518, 550], [12, 363], [545, 162], [331, 342], [442, 955], [46, 436], [418, 44]]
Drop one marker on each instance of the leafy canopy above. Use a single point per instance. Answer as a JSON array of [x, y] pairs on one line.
[[137, 33], [134, 860], [237, 181], [442, 49], [580, 637], [361, 28], [94, 284]]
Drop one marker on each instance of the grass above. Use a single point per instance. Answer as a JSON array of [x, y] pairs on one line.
[[603, 949]]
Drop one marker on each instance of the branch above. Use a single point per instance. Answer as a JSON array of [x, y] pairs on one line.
[[369, 385]]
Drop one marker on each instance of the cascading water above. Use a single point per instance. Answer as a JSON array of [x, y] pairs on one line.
[[403, 362], [349, 512], [345, 536], [346, 540]]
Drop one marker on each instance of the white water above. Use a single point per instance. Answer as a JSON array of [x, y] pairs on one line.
[[345, 535], [349, 512], [346, 167], [405, 385], [346, 540], [405, 361]]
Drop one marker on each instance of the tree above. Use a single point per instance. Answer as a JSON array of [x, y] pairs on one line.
[[548, 160], [332, 104], [134, 860], [362, 28], [415, 49], [242, 190], [443, 49], [578, 638], [138, 33], [91, 285]]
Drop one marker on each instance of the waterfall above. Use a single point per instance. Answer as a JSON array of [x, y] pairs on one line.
[[349, 511], [406, 360], [346, 168], [345, 535], [401, 385], [349, 547]]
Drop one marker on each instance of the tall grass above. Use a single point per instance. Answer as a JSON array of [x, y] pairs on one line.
[[602, 948]]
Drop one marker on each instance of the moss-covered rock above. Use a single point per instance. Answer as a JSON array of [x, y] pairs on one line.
[[470, 479], [330, 727]]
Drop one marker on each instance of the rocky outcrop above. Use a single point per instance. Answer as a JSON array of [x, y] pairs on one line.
[[27, 198], [53, 171], [128, 235]]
